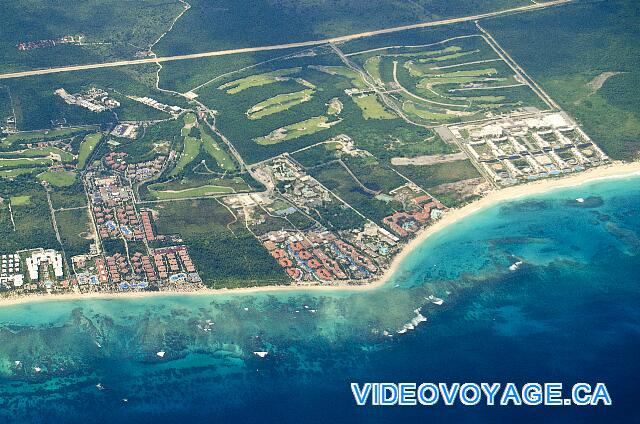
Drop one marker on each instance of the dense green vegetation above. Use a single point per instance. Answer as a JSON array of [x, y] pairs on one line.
[[313, 121], [233, 24], [152, 140], [337, 179], [118, 25], [68, 197], [566, 49], [317, 155], [113, 246], [33, 225], [47, 135], [224, 252], [75, 234], [433, 175], [38, 107]]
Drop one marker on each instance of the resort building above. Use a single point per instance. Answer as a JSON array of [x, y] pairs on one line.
[[43, 257]]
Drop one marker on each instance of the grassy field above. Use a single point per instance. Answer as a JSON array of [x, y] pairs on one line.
[[24, 162], [566, 49], [20, 200], [236, 86], [39, 152], [215, 151], [189, 153], [196, 187], [190, 119], [372, 108], [426, 114], [58, 178], [12, 173], [372, 66], [199, 142], [354, 77], [335, 107], [86, 148], [35, 136], [206, 190], [279, 103], [293, 131]]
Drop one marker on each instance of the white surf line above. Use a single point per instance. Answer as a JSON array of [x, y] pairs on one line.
[[340, 39]]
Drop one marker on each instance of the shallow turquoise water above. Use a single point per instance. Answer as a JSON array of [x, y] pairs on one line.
[[568, 313]]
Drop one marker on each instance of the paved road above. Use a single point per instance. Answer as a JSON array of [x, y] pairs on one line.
[[282, 46]]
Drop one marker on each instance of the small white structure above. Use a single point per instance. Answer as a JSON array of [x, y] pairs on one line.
[[10, 273]]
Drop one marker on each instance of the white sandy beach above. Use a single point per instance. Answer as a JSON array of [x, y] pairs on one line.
[[612, 171]]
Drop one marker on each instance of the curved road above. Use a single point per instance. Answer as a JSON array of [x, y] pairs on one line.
[[341, 39]]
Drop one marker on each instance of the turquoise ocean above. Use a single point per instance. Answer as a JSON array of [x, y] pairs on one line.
[[568, 312]]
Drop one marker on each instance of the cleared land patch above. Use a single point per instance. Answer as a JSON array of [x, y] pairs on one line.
[[58, 178], [186, 188], [299, 129], [213, 149], [87, 147], [279, 103], [20, 200], [343, 71], [372, 108], [429, 160], [235, 87], [189, 153]]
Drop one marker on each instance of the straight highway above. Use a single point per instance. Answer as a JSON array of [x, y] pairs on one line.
[[341, 39]]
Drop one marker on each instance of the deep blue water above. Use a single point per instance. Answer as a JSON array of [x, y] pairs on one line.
[[569, 313]]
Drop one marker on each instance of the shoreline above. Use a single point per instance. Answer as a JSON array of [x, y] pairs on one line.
[[616, 170]]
